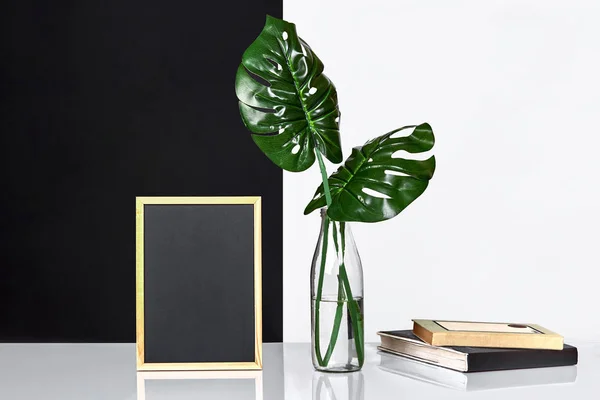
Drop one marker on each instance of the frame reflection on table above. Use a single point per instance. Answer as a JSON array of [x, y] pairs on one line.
[[193, 385]]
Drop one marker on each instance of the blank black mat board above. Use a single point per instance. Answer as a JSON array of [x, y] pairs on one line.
[[198, 283]]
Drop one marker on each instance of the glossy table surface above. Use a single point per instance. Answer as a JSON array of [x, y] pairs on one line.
[[107, 371]]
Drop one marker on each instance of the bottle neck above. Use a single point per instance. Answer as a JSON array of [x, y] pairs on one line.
[[331, 227]]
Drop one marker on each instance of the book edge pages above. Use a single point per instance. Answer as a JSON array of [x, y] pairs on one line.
[[448, 358], [456, 368]]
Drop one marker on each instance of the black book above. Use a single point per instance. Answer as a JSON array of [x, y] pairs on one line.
[[474, 359], [449, 378]]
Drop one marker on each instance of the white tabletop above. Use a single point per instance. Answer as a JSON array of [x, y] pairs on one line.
[[107, 371]]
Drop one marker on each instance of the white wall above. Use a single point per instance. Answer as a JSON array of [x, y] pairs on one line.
[[509, 228]]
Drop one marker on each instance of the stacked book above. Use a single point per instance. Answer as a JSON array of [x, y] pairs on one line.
[[476, 347]]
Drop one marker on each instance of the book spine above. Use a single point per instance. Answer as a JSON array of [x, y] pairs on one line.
[[497, 361]]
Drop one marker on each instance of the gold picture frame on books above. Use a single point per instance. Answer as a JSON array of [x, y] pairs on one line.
[[147, 229], [487, 334]]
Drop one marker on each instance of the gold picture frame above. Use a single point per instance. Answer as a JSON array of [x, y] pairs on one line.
[[435, 333], [200, 366]]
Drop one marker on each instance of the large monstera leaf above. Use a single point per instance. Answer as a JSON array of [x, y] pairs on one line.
[[285, 99], [373, 184]]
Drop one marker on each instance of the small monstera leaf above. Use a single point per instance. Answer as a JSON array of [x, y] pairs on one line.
[[285, 99], [373, 185]]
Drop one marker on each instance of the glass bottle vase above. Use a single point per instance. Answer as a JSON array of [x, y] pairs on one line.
[[337, 300]]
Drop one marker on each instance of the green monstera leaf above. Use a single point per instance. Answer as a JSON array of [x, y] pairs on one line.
[[373, 184], [286, 101]]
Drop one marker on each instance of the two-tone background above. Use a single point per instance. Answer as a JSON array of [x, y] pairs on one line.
[[103, 101]]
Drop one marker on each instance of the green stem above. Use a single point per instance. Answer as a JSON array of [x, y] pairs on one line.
[[324, 177], [339, 312], [319, 293], [344, 284], [353, 309], [354, 315], [343, 235]]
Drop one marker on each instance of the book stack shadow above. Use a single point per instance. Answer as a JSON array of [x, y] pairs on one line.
[[471, 359]]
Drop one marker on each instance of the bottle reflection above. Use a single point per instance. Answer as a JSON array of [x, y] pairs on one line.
[[328, 386]]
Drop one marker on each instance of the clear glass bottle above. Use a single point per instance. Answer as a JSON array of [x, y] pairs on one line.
[[337, 300]]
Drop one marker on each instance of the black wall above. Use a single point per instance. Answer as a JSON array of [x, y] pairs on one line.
[[102, 101]]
